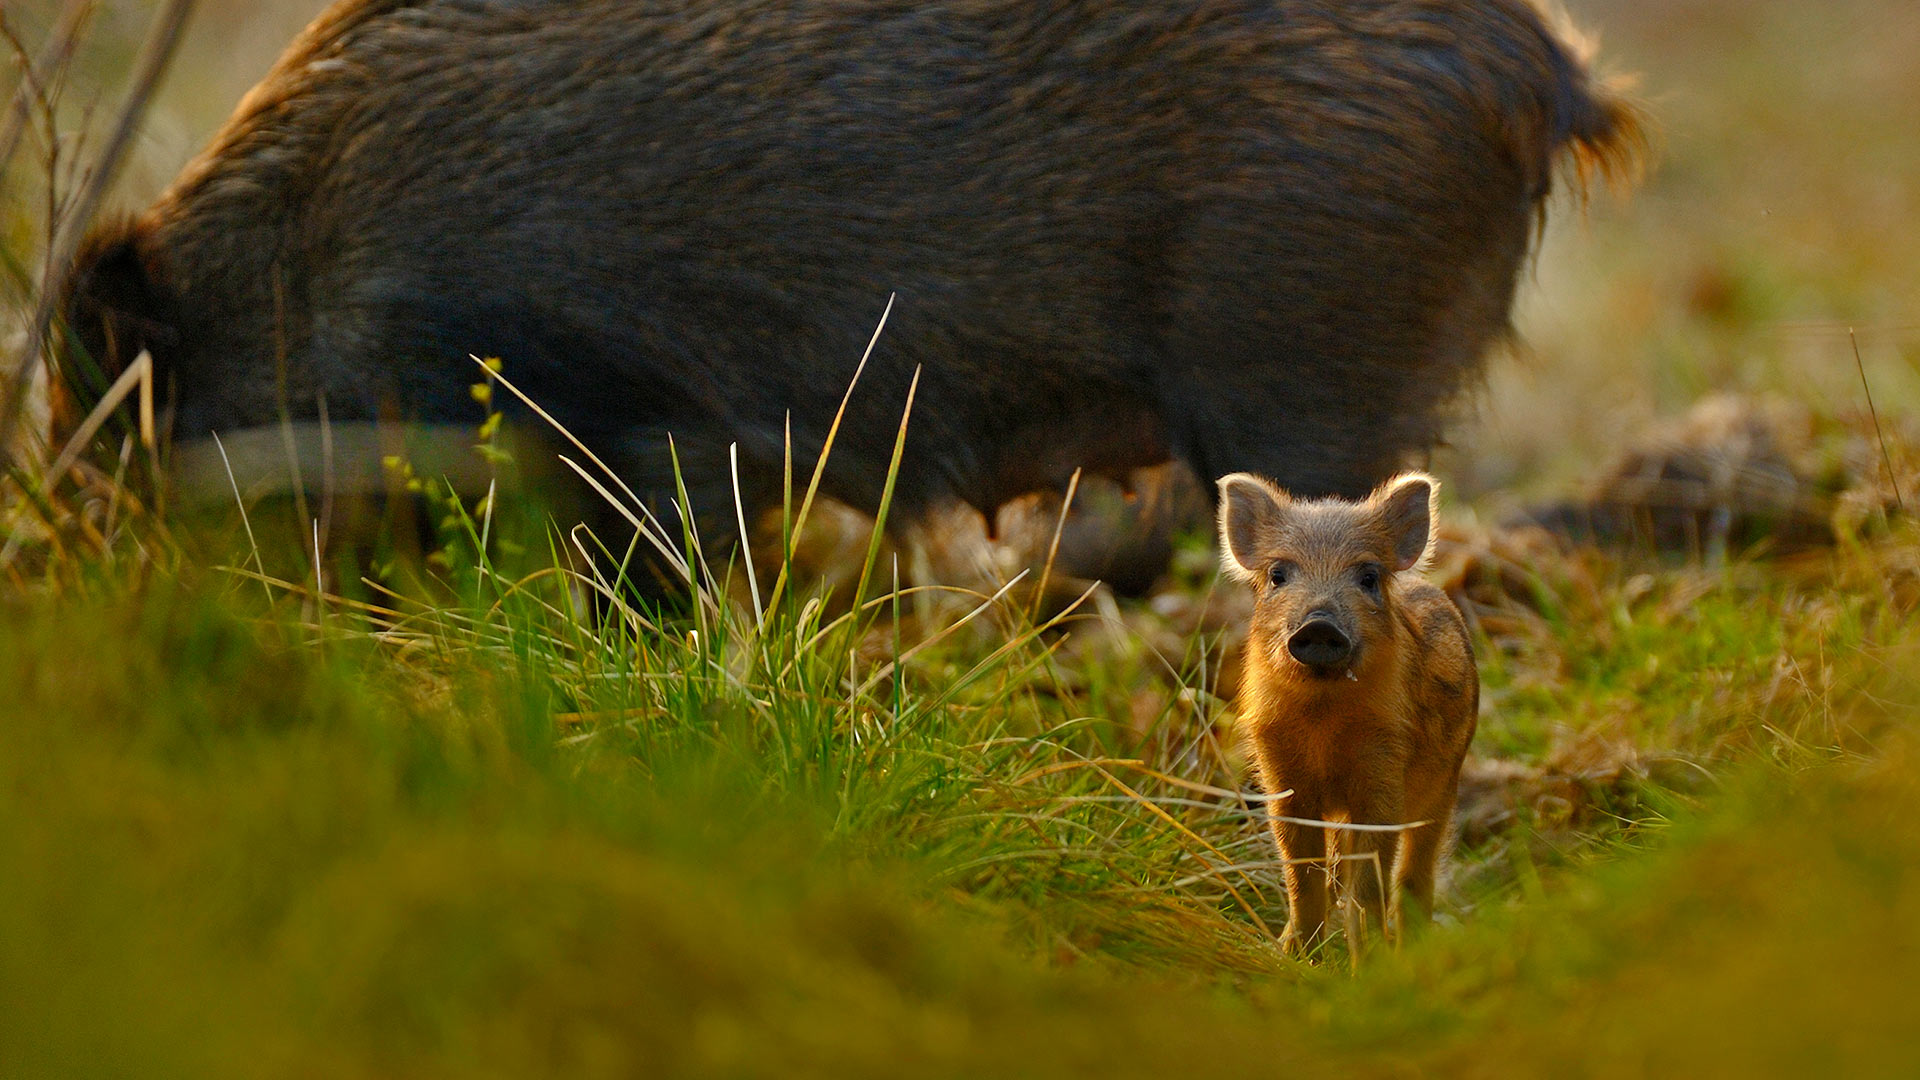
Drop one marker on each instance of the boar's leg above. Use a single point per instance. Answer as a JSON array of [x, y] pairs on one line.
[[1367, 860], [657, 469], [1421, 848], [1304, 849]]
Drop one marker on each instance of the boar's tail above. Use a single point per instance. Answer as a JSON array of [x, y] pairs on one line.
[[1590, 126]]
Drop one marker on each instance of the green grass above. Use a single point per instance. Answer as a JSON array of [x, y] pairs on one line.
[[487, 826], [502, 829], [1706, 664], [236, 842]]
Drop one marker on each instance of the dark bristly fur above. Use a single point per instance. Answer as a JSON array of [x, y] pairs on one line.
[[1274, 235], [1373, 733]]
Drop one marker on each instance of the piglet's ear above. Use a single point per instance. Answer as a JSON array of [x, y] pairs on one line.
[[1408, 507], [1251, 513]]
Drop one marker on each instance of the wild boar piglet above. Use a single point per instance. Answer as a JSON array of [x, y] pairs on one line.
[[1360, 694]]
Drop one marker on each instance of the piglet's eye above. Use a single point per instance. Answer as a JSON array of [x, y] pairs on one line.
[[1279, 573], [1369, 579]]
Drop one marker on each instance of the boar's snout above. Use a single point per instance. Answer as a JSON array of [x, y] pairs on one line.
[[1320, 644]]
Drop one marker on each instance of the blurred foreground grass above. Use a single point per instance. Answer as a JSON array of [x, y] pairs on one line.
[[506, 839]]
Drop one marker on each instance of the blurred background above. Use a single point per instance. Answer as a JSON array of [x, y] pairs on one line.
[[1778, 217]]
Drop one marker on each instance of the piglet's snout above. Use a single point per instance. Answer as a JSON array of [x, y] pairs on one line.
[[1320, 643]]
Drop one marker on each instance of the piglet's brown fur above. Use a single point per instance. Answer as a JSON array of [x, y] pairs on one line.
[[1360, 694]]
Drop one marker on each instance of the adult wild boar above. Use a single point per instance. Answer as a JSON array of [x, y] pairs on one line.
[[1272, 236]]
